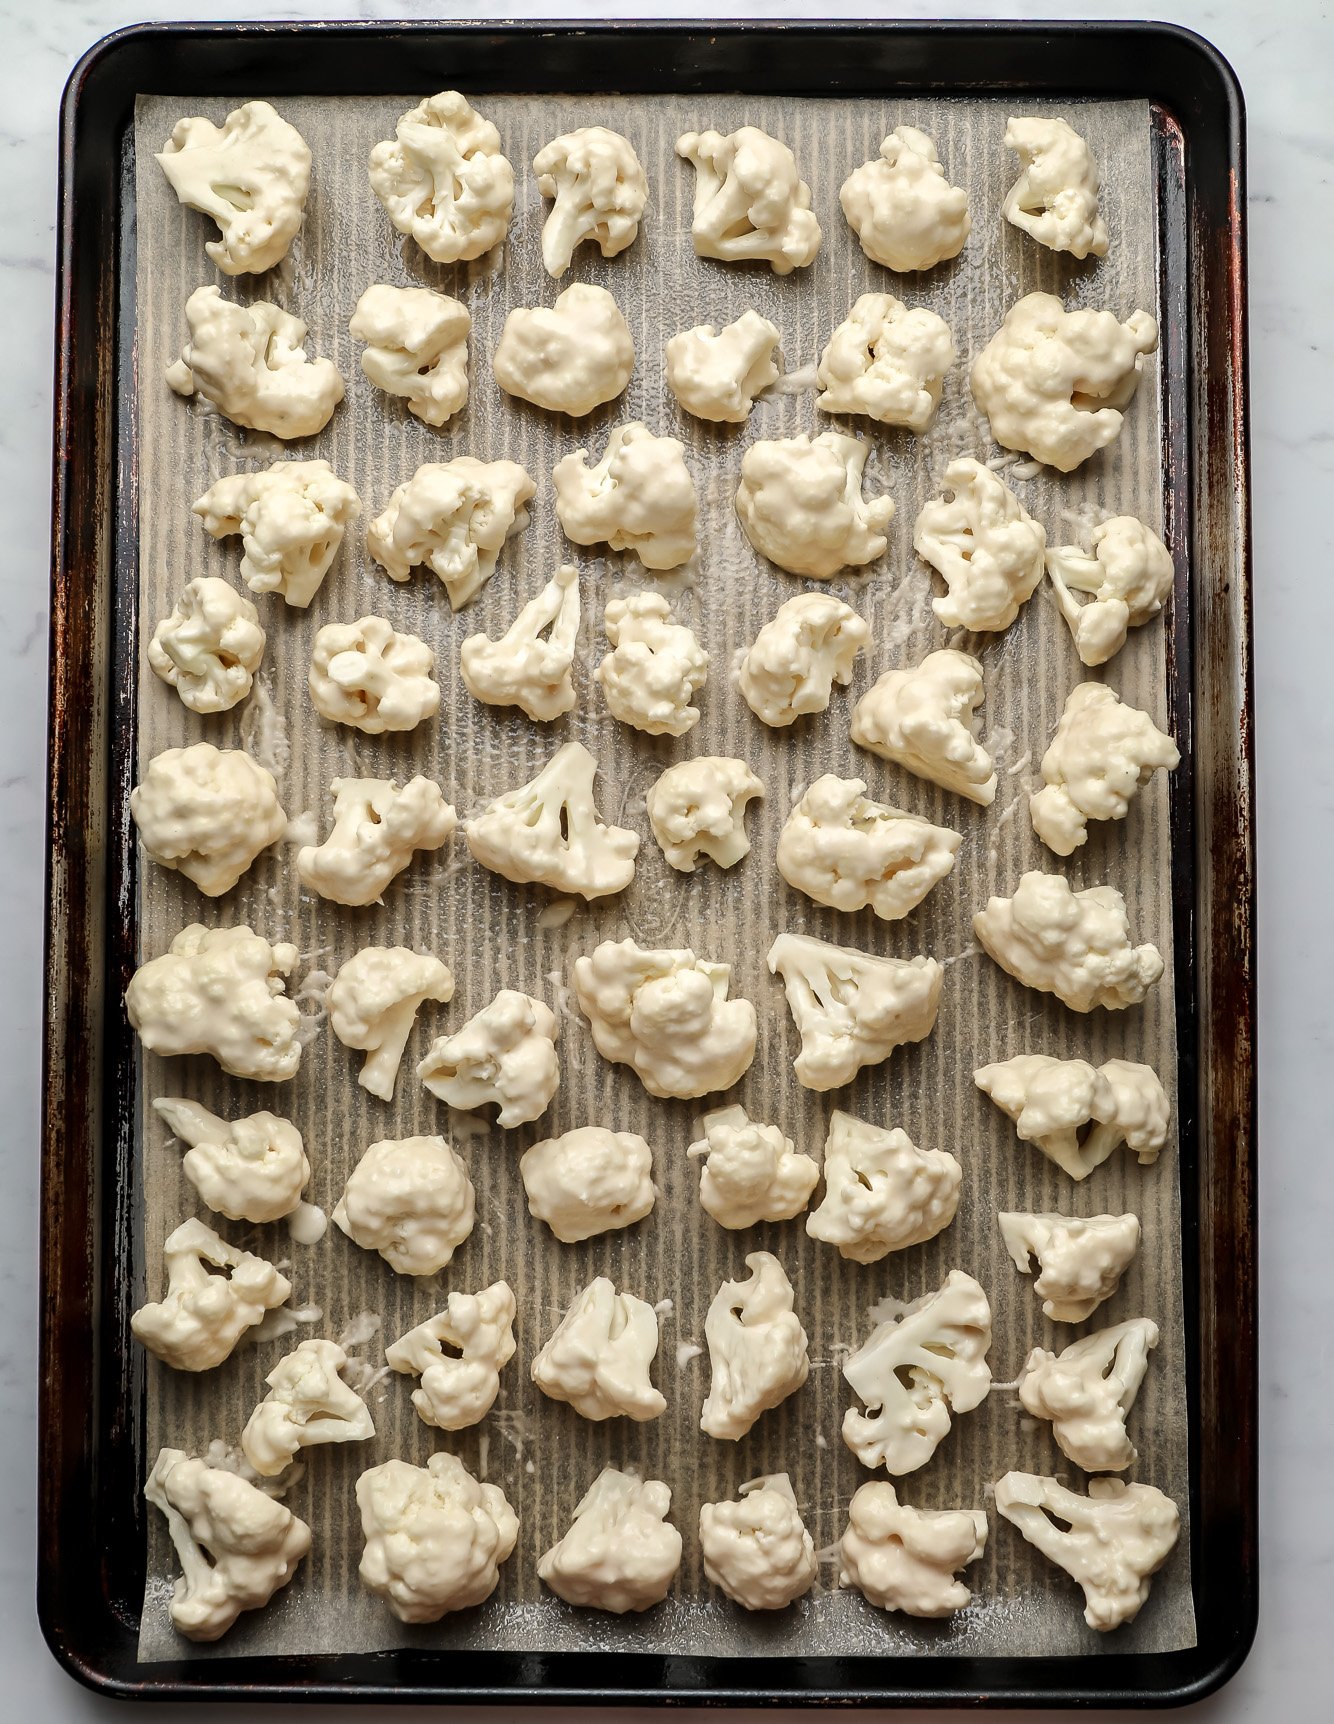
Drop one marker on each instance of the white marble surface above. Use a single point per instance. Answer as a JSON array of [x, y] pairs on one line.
[[1283, 54]]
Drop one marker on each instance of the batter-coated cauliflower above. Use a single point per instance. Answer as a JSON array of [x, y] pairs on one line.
[[984, 545], [902, 1558], [210, 646], [219, 991], [698, 808], [620, 1552], [751, 205], [756, 1548], [504, 1056], [443, 180], [459, 1355], [1078, 1114], [914, 1371], [416, 347], [250, 1169], [667, 1014], [655, 667], [925, 719], [454, 517], [639, 497], [902, 208], [250, 175], [842, 849], [598, 1357], [207, 812], [1124, 580], [715, 374], [367, 675], [569, 357], [1110, 1541], [1055, 198], [377, 828], [757, 1349], [291, 518], [1080, 1261], [886, 362], [882, 1193], [750, 1172], [852, 1009], [236, 1545], [588, 1181], [1101, 754], [214, 1294], [800, 504], [435, 1537], [810, 643], [373, 1002], [411, 1200], [1054, 383], [250, 362], [1075, 945], [308, 1403], [526, 668], [599, 189], [1088, 1390]]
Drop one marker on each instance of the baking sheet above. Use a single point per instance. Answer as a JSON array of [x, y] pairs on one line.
[[497, 935]]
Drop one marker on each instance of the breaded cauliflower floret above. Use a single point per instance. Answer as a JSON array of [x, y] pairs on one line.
[[598, 1357], [809, 644], [1088, 1390], [599, 189], [800, 504], [750, 1172], [504, 1056], [925, 719], [416, 347], [459, 1355], [453, 517], [588, 1181], [443, 180], [882, 1193], [655, 667], [210, 646], [886, 362], [902, 1558], [1078, 1114], [377, 828], [984, 545], [569, 357], [214, 1294], [308, 1403], [698, 808], [207, 812], [1101, 755], [367, 675], [715, 374], [291, 517], [249, 1169], [250, 175], [902, 208], [1125, 580], [842, 849], [756, 1548], [524, 667], [411, 1200], [1080, 1260], [757, 1349], [751, 205], [1075, 945], [1055, 198], [249, 361], [639, 497], [373, 1002], [620, 1552]]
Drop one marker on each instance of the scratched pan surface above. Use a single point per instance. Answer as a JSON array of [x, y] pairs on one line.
[[1024, 1619]]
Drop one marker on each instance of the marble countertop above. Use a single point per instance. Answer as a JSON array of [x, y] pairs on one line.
[[1291, 149]]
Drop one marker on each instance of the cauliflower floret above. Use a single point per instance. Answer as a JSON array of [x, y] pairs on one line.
[[842, 849], [1077, 1114], [588, 1181], [250, 1169], [620, 1552], [882, 1193], [250, 175], [1100, 756], [236, 1545], [376, 829], [914, 1371], [291, 518], [569, 357], [435, 1538], [639, 497], [214, 1294], [750, 203], [454, 517], [367, 675], [655, 668], [549, 831], [459, 1356], [809, 644], [443, 180], [698, 808], [1110, 1541], [208, 812], [210, 646], [852, 1009], [886, 362], [902, 208], [1126, 580], [249, 361], [757, 1548], [1075, 945], [984, 545], [800, 504], [600, 191], [750, 1172], [667, 1014], [307, 1403], [1080, 1261], [598, 1357], [416, 347], [717, 373], [902, 1558], [1055, 198], [1054, 383], [504, 1055], [925, 719], [373, 1002], [1088, 1390], [411, 1200], [219, 991], [523, 668], [757, 1349]]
